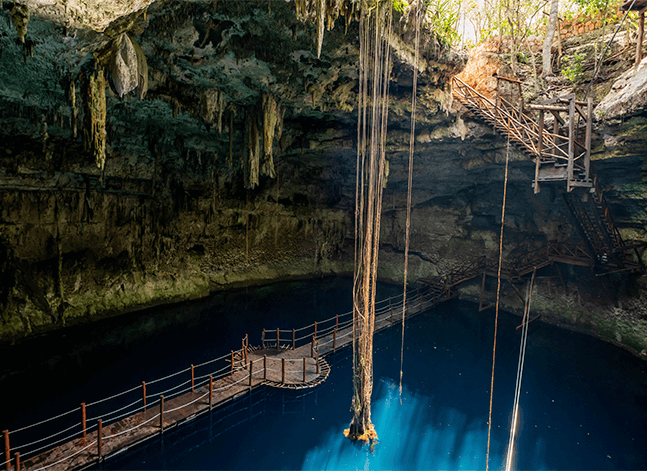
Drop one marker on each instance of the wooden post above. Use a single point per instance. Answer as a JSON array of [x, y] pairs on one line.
[[161, 414], [391, 308], [83, 417], [264, 366], [294, 336], [334, 340], [278, 338], [144, 393], [304, 369], [317, 359], [571, 143], [315, 329], [282, 370], [210, 392], [540, 146], [641, 35], [589, 119], [7, 449], [232, 362], [242, 353], [246, 344], [251, 369], [263, 339], [192, 379], [17, 455], [99, 433]]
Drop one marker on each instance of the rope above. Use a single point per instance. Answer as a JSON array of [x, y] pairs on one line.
[[522, 359], [169, 376], [43, 421], [410, 181], [133, 428], [112, 397], [113, 412], [498, 292], [187, 404], [211, 361], [67, 458], [20, 447]]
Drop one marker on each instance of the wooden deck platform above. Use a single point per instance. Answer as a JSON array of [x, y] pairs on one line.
[[274, 364]]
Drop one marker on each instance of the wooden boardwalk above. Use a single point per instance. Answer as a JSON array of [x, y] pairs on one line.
[[294, 364]]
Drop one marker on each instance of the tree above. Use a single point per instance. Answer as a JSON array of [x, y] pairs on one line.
[[546, 68]]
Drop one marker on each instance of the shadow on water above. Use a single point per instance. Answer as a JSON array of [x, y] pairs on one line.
[[583, 402]]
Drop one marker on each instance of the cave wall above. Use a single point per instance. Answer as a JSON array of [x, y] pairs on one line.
[[176, 209]]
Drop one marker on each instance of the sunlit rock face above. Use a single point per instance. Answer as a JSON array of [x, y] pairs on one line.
[[234, 162]]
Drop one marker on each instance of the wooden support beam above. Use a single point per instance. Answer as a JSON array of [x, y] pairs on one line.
[[83, 418], [571, 144], [7, 449], [587, 143]]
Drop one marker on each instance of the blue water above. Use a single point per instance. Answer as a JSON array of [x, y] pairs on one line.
[[583, 402]]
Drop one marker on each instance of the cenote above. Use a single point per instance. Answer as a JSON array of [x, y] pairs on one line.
[[583, 403]]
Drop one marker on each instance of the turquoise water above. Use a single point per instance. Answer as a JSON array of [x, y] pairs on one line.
[[583, 402], [582, 407]]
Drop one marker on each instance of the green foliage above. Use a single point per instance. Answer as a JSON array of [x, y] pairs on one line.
[[575, 69], [442, 19], [594, 7], [400, 5]]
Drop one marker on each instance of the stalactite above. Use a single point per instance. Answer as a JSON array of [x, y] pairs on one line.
[[321, 23], [253, 138], [20, 18], [127, 66], [95, 128], [272, 116], [212, 107], [75, 110]]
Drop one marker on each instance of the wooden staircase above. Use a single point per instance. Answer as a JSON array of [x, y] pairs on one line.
[[562, 153]]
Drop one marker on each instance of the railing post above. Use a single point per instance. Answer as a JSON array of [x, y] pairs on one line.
[[263, 339], [210, 392], [192, 379], [232, 362], [7, 449], [315, 329], [282, 370], [251, 369], [83, 417], [304, 369], [161, 414], [294, 336], [278, 338], [246, 344], [587, 143], [17, 456], [144, 393], [391, 309], [334, 340], [317, 359], [99, 433], [264, 366]]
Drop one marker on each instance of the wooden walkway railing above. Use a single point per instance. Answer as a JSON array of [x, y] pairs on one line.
[[559, 156]]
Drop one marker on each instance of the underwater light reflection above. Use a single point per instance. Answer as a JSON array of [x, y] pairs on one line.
[[412, 435]]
